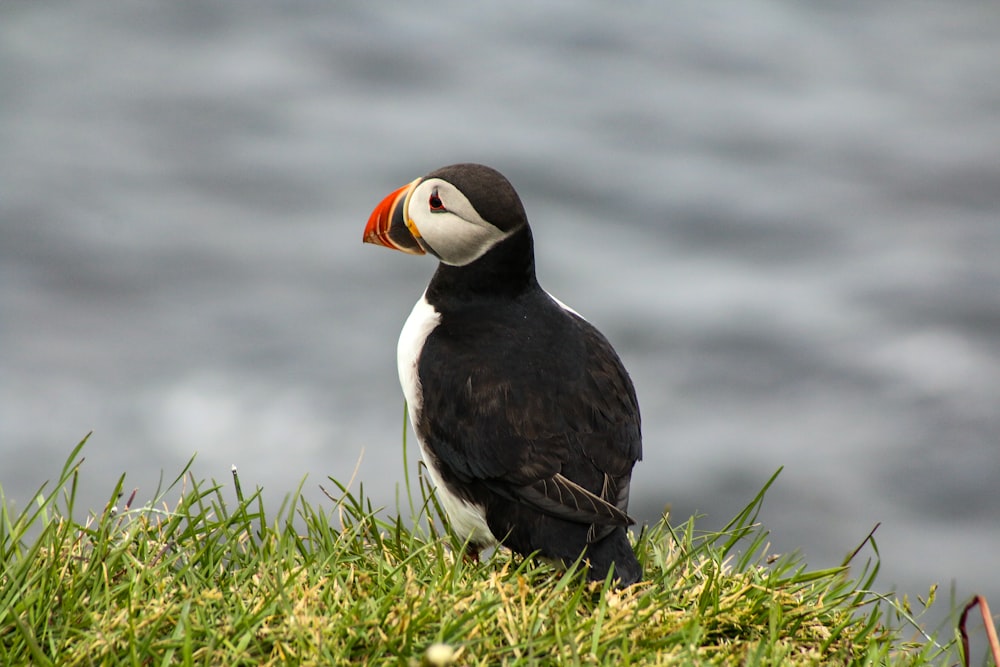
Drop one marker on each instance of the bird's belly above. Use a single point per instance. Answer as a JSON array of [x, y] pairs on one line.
[[467, 520]]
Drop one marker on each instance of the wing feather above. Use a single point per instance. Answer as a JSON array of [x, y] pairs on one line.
[[548, 417]]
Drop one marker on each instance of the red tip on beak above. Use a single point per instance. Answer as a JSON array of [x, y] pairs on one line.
[[387, 225]]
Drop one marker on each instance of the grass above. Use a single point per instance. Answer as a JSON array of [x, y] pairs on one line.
[[211, 581]]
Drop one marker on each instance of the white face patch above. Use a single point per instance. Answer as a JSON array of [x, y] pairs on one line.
[[448, 222]]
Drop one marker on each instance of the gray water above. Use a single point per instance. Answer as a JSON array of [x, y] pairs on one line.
[[784, 216]]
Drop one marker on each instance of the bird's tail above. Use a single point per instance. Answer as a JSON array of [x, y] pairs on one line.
[[613, 550]]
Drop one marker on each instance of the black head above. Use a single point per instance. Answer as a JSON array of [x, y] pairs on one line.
[[457, 213]]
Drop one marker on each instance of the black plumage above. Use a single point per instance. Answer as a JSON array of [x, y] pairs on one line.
[[525, 412]]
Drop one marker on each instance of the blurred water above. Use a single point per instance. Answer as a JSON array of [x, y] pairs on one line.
[[784, 215]]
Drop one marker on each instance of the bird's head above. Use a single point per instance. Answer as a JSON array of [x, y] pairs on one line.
[[456, 213]]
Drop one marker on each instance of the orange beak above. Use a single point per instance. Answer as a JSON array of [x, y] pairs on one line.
[[389, 225]]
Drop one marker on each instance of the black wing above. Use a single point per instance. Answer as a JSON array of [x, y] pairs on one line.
[[534, 405]]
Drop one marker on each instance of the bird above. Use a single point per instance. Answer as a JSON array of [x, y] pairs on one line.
[[526, 418]]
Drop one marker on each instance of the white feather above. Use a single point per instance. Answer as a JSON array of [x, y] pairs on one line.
[[422, 320], [566, 308], [467, 520]]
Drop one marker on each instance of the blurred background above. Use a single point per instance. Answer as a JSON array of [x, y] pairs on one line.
[[783, 215]]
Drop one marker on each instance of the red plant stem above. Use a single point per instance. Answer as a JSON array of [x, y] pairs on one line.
[[991, 631]]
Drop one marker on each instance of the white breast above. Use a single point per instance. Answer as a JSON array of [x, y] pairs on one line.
[[467, 520], [422, 320]]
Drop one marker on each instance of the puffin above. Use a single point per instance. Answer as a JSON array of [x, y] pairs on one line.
[[526, 418]]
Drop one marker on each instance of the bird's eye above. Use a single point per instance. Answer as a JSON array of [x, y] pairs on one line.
[[435, 203]]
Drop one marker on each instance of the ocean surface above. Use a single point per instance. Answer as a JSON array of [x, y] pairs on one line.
[[784, 215]]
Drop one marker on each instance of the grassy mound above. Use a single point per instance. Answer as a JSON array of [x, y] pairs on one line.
[[204, 581]]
